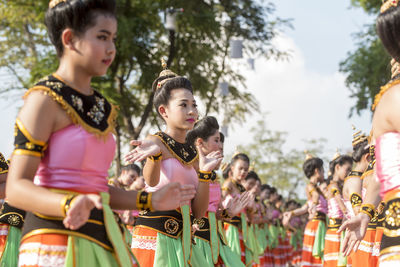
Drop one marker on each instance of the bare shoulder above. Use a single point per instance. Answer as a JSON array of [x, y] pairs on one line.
[[39, 115]]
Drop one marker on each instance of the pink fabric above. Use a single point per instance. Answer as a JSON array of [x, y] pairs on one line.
[[76, 160], [295, 221], [172, 170], [215, 197], [275, 214], [387, 153], [322, 205], [334, 210]]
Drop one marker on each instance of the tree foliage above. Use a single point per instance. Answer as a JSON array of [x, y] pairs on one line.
[[199, 49], [366, 68]]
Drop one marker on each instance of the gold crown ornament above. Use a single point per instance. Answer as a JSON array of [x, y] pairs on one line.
[[53, 3], [308, 155], [388, 4], [165, 73], [337, 155], [358, 137]]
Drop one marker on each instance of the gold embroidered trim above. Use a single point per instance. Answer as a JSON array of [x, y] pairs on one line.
[[27, 153], [63, 232], [76, 119], [390, 250], [5, 171], [61, 218], [383, 91], [28, 135], [176, 155]]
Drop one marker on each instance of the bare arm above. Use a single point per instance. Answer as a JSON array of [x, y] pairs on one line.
[[3, 178], [23, 168]]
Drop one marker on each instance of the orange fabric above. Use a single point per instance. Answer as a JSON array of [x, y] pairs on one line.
[[143, 239], [43, 246], [332, 248], [377, 244], [307, 259], [3, 237], [363, 256]]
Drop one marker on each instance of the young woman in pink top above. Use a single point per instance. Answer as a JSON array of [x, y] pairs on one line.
[[64, 146], [164, 238]]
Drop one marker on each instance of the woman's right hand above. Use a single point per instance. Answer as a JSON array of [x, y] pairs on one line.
[[144, 148], [172, 196], [80, 209], [355, 228]]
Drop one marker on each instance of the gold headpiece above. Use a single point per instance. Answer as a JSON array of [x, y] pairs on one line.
[[165, 72], [337, 155], [308, 155], [358, 137], [53, 3], [388, 4]]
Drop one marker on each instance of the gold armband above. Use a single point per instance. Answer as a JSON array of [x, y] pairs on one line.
[[156, 157], [25, 144], [368, 209], [205, 176], [355, 200], [143, 201]]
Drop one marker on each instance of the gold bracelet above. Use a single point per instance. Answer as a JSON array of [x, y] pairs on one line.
[[66, 202], [368, 209], [156, 157], [205, 176], [143, 201]]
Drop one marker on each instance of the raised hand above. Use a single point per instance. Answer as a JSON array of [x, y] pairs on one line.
[[144, 149], [355, 228], [172, 196], [80, 209], [210, 161]]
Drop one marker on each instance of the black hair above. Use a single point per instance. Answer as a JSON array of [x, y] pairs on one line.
[[279, 198], [387, 27], [252, 175], [240, 156], [203, 129], [360, 150], [311, 165], [221, 137], [265, 187], [163, 94], [289, 202], [225, 172], [342, 159], [78, 15], [132, 167], [272, 190]]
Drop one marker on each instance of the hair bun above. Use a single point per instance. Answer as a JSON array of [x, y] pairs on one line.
[[165, 75]]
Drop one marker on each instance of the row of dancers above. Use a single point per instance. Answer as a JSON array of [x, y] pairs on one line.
[[58, 208]]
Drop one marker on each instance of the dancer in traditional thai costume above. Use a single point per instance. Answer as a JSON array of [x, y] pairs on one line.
[[64, 147], [164, 238], [264, 198], [210, 248], [386, 132], [236, 227], [128, 176], [314, 234], [339, 167], [11, 222], [352, 187]]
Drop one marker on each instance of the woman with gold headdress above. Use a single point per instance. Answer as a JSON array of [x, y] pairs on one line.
[[339, 167], [314, 234], [164, 238], [352, 188], [386, 136]]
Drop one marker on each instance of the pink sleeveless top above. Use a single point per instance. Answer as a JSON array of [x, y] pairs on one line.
[[322, 205], [387, 167], [334, 210], [76, 160], [214, 197], [174, 171]]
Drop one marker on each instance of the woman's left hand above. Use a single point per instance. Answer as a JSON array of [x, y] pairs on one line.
[[208, 163]]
